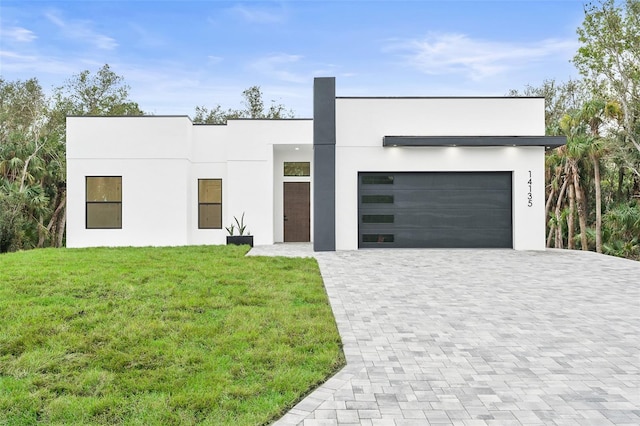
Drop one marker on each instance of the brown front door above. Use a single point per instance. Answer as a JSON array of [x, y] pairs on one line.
[[297, 212]]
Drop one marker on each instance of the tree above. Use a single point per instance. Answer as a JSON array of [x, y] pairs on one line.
[[32, 151], [26, 146], [215, 115], [253, 108], [622, 223], [104, 93], [560, 98], [596, 114], [594, 178], [609, 60]]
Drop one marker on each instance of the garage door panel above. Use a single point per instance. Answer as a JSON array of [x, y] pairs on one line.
[[435, 238], [436, 210], [451, 218], [454, 198], [421, 199], [442, 180], [417, 219], [448, 238], [436, 217], [449, 181]]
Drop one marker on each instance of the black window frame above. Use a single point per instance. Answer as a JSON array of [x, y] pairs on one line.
[[302, 165], [378, 179], [377, 199], [200, 204], [87, 203]]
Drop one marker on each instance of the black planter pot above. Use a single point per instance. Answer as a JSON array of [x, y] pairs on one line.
[[240, 240]]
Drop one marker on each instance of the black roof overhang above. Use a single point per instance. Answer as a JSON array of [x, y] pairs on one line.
[[549, 142]]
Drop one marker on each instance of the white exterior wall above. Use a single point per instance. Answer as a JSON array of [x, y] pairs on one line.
[[208, 160], [151, 155], [362, 123], [251, 170], [160, 160], [151, 192], [282, 154]]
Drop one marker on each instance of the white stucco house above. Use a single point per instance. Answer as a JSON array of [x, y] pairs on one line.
[[363, 173]]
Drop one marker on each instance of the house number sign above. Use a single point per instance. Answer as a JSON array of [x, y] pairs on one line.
[[529, 194]]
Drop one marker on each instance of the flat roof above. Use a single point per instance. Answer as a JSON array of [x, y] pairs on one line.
[[439, 97], [549, 142]]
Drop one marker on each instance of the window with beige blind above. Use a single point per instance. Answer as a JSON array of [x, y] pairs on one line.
[[210, 203], [104, 202]]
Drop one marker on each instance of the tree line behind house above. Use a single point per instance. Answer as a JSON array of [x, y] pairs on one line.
[[592, 183], [33, 153]]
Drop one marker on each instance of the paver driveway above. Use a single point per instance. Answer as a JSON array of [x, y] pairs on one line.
[[479, 337]]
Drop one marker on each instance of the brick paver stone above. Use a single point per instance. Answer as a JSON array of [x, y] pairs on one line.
[[478, 337]]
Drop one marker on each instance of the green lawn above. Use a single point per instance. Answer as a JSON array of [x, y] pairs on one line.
[[162, 336]]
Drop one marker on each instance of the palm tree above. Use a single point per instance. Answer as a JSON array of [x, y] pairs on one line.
[[622, 223], [575, 151], [597, 113], [553, 175]]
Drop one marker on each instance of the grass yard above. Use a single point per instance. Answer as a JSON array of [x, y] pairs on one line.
[[160, 336]]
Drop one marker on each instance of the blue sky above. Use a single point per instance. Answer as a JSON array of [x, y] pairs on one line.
[[179, 54]]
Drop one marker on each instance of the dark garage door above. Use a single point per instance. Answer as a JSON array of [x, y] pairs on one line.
[[457, 210]]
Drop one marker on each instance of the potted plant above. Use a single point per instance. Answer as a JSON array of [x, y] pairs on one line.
[[243, 237]]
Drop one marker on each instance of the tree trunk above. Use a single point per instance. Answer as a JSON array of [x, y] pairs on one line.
[[547, 209], [42, 233], [61, 225], [547, 206], [552, 229], [558, 243], [620, 183], [596, 175], [571, 219], [52, 228], [582, 213], [25, 168]]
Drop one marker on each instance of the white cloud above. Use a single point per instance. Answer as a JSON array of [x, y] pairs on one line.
[[82, 31], [259, 15], [290, 68], [14, 55], [18, 34], [447, 53], [50, 71], [279, 66], [213, 60]]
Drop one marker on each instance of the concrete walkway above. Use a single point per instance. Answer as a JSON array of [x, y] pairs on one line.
[[478, 337]]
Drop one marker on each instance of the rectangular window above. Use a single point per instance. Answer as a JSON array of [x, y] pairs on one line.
[[377, 199], [210, 203], [377, 218], [377, 238], [297, 168], [104, 202], [377, 180]]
